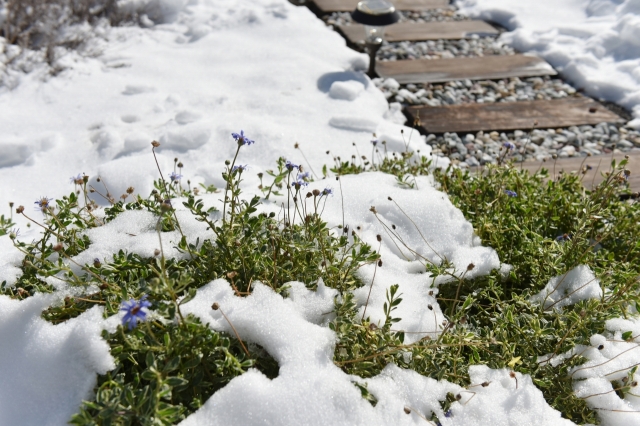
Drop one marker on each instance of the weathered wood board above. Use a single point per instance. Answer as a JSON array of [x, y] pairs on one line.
[[599, 164], [411, 31], [327, 6], [553, 113], [475, 68]]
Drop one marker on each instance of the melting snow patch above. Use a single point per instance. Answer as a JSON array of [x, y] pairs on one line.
[[47, 370], [612, 363], [578, 284]]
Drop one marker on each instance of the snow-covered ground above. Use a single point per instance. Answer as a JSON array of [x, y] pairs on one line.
[[595, 44], [207, 68]]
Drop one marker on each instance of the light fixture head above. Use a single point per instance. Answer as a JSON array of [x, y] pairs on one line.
[[375, 13]]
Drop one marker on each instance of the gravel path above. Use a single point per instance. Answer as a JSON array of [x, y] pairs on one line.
[[482, 148]]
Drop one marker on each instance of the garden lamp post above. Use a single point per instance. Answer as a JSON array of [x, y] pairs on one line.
[[374, 15]]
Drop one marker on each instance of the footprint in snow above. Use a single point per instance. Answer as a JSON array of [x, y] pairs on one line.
[[136, 89]]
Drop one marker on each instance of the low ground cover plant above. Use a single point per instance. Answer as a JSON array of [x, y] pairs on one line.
[[168, 364]]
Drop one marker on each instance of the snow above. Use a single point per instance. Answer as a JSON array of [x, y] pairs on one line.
[[201, 69], [47, 370], [610, 359], [578, 284], [594, 44]]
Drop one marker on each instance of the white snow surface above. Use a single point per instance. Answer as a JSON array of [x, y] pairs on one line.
[[206, 68], [594, 44], [578, 284], [610, 359], [47, 370]]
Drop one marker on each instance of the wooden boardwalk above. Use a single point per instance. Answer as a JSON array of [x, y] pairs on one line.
[[554, 113], [474, 68], [599, 164], [411, 31], [328, 6]]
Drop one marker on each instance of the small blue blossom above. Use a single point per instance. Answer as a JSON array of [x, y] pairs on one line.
[[175, 177], [589, 167], [509, 146], [327, 191], [78, 180], [240, 167], [563, 237], [510, 193], [374, 142], [134, 311], [242, 139], [290, 166], [303, 176], [43, 203], [298, 183]]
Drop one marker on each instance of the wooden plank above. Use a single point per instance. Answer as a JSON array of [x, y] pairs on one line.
[[553, 113], [328, 6], [411, 31], [598, 164], [475, 68]]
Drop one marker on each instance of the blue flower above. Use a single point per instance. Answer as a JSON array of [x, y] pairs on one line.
[[327, 191], [303, 176], [242, 139], [374, 142], [298, 183], [510, 193], [563, 237], [509, 146], [43, 203], [290, 166], [240, 167], [134, 311], [76, 179], [175, 176]]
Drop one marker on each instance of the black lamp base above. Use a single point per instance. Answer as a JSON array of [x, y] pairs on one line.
[[372, 47]]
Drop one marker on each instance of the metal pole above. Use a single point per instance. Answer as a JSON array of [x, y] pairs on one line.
[[372, 47]]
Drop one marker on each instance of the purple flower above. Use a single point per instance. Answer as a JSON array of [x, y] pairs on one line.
[[76, 179], [242, 139], [298, 183], [563, 237], [510, 193], [327, 191], [43, 203], [175, 177], [303, 176], [134, 311], [374, 142], [290, 166], [509, 146], [240, 167]]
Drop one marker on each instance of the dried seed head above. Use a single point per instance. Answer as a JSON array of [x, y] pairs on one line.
[[407, 410], [378, 237], [430, 307], [296, 146], [20, 209], [373, 210], [458, 397], [372, 326], [309, 195], [156, 252], [130, 190], [155, 144], [57, 247], [215, 306], [470, 266], [389, 198], [380, 263], [316, 192], [231, 275], [512, 374], [484, 384], [600, 347]]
